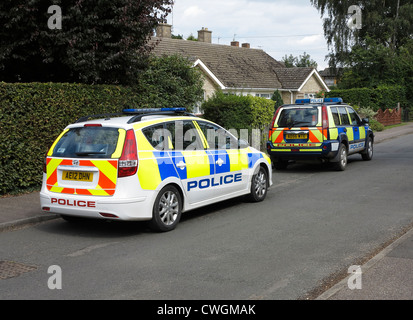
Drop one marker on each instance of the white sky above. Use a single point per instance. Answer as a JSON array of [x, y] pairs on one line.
[[279, 27]]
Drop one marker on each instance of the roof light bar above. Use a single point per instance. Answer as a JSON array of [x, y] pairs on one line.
[[319, 100], [151, 110]]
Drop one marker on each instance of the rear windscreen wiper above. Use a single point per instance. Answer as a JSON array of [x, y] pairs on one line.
[[89, 153]]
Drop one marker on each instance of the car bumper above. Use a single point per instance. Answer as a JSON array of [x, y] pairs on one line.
[[133, 209], [327, 150]]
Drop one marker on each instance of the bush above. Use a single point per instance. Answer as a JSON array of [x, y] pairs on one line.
[[383, 97], [375, 125], [33, 115], [240, 112]]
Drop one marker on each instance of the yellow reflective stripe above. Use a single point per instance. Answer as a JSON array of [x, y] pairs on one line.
[[238, 160], [121, 141], [275, 134], [98, 192], [334, 134], [56, 189], [56, 141], [52, 166], [310, 150], [362, 132], [197, 164], [350, 133], [201, 134], [148, 170], [107, 169]]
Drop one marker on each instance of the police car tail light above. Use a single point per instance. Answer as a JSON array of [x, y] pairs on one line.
[[128, 162], [325, 117]]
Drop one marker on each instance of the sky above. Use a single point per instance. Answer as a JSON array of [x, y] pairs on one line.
[[279, 27]]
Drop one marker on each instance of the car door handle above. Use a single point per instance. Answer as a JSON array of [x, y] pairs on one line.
[[219, 162], [181, 165]]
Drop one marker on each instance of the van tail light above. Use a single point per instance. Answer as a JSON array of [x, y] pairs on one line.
[[325, 117], [272, 123], [128, 162]]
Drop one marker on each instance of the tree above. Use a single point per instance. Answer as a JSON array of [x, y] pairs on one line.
[[170, 81], [277, 98], [101, 41], [389, 23], [302, 61]]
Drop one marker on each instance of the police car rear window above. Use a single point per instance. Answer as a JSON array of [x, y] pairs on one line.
[[300, 116], [90, 142]]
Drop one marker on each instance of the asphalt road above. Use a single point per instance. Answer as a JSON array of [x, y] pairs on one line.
[[314, 224]]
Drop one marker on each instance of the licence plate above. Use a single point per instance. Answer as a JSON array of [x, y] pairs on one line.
[[296, 136], [77, 176]]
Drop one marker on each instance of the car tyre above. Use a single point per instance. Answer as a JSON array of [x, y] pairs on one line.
[[342, 158], [259, 185], [367, 155], [167, 210]]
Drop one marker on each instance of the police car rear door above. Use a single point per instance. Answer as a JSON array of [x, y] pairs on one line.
[[191, 161], [230, 162]]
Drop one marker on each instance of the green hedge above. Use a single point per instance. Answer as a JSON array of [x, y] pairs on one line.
[[33, 115], [384, 97], [240, 112]]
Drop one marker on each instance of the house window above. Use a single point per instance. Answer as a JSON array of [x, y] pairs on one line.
[[309, 95]]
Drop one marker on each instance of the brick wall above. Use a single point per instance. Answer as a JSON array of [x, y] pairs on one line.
[[388, 117]]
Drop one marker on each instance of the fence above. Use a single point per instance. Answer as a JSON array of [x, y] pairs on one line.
[[389, 117]]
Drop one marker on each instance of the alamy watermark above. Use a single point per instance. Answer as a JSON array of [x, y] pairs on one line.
[[354, 281], [55, 20], [355, 22], [55, 280]]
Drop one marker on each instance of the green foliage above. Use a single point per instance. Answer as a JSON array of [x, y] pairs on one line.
[[277, 98], [239, 112], [390, 23], [100, 42], [301, 61], [375, 125], [33, 115], [383, 97], [170, 81]]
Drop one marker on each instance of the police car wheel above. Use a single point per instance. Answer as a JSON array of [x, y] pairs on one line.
[[259, 185], [368, 153], [342, 158], [167, 210]]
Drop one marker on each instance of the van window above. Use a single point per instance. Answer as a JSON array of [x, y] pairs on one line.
[[90, 142], [345, 121], [354, 118], [302, 117], [336, 117]]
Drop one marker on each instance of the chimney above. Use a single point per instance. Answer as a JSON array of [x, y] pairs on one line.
[[246, 45], [234, 43], [164, 30], [205, 35]]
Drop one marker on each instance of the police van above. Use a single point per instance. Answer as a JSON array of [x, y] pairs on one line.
[[324, 129], [148, 164]]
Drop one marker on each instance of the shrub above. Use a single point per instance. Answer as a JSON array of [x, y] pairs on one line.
[[33, 115], [240, 112]]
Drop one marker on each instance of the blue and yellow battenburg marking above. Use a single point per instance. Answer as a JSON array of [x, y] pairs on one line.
[[157, 166]]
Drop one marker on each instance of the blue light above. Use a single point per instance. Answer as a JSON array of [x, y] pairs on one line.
[[319, 100], [151, 110], [302, 101], [335, 100]]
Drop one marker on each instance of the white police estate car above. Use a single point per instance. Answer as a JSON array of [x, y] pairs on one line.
[[324, 129], [149, 164]]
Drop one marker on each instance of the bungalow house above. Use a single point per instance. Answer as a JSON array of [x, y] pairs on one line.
[[240, 69]]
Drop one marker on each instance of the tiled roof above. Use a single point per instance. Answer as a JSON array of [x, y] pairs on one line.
[[235, 67], [293, 78]]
